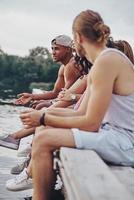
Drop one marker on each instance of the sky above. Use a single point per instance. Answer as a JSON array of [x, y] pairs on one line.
[[26, 24]]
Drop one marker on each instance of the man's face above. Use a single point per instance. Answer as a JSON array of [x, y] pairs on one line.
[[59, 52]]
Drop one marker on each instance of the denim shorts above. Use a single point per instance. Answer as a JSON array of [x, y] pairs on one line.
[[113, 144]]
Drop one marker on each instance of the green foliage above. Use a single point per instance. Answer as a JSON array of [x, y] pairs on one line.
[[17, 73]]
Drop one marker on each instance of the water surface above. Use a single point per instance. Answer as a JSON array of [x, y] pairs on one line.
[[9, 123]]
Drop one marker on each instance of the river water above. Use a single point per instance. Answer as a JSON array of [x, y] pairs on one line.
[[9, 118], [9, 123]]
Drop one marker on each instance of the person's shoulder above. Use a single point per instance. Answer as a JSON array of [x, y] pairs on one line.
[[106, 64], [108, 57], [71, 62], [61, 70], [72, 68], [110, 54]]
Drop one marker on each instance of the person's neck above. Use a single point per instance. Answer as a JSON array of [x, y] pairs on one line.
[[93, 51], [67, 59]]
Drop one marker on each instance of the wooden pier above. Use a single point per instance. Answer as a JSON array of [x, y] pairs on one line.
[[87, 177]]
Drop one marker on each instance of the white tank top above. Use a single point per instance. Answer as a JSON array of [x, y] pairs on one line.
[[121, 109]]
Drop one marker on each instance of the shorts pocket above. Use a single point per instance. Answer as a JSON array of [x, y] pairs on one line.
[[126, 144]]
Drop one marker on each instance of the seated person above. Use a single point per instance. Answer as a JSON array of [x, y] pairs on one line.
[[105, 123], [12, 140], [61, 52], [65, 96]]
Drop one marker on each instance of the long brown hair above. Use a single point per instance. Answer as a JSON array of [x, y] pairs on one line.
[[84, 63], [91, 25], [123, 46]]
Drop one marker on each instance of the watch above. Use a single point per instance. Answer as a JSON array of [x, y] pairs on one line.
[[73, 97]]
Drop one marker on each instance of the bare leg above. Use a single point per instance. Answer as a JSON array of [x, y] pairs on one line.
[[45, 142], [29, 168], [23, 133]]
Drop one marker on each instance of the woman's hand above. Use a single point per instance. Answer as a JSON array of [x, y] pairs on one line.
[[31, 118], [65, 95]]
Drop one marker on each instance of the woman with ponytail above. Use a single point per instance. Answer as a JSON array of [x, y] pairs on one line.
[[123, 46]]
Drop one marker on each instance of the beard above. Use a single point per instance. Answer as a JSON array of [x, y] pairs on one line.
[[80, 50]]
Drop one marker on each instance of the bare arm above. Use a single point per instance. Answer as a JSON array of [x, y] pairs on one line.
[[102, 80], [62, 112], [64, 80], [77, 88], [59, 84]]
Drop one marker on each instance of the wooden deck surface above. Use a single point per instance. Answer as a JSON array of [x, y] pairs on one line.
[[87, 177]]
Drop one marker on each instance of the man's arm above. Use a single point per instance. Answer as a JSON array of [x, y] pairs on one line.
[[101, 83], [97, 98], [59, 84]]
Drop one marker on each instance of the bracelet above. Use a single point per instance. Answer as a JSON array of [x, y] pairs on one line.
[[42, 119]]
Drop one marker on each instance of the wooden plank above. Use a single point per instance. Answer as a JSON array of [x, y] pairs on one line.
[[68, 191], [89, 177], [126, 176]]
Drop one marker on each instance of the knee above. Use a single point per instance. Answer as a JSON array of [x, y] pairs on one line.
[[39, 129], [41, 143]]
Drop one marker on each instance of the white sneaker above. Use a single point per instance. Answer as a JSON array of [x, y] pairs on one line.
[[25, 151], [19, 167], [20, 182]]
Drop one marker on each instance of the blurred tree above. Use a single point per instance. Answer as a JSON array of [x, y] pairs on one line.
[[17, 73], [1, 51], [39, 51]]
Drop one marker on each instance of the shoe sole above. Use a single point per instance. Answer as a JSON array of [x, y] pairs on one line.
[[27, 198], [23, 154], [15, 172], [9, 145], [20, 189]]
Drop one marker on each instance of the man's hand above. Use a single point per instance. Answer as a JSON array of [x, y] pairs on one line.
[[35, 103], [24, 98], [31, 118], [26, 95]]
